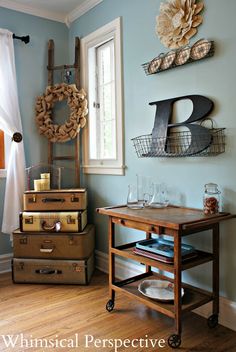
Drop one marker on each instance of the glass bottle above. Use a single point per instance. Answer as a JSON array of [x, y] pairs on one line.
[[211, 200], [159, 198], [144, 189], [132, 199]]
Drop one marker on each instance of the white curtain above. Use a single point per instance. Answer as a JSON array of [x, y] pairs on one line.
[[10, 122]]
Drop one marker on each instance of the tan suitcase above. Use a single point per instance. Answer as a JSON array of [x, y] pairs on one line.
[[63, 199], [53, 221], [49, 271], [54, 246]]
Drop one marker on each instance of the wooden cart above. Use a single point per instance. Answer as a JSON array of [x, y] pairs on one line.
[[176, 222]]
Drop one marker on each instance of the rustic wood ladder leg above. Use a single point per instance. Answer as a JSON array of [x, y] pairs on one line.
[[77, 83], [76, 66], [50, 83]]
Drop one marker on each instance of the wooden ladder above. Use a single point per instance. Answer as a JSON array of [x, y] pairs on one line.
[[51, 68]]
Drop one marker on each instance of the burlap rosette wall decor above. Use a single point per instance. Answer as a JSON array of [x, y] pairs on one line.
[[178, 21], [77, 102]]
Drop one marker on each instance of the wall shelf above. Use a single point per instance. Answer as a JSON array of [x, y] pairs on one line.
[[179, 144], [155, 66]]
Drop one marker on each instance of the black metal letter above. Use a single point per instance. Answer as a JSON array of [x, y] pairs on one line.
[[200, 136]]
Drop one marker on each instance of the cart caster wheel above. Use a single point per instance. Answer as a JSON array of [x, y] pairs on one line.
[[174, 341], [212, 321], [110, 305]]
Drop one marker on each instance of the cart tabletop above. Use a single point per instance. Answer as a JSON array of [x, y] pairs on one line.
[[172, 216]]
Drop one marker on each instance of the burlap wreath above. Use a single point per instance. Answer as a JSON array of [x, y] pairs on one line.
[[77, 103]]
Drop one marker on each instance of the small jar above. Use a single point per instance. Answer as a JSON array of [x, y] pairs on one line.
[[211, 201]]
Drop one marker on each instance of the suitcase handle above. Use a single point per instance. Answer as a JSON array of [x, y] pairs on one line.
[[47, 271], [46, 250], [53, 200], [55, 227]]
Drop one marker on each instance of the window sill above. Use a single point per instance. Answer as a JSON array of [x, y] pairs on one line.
[[3, 173], [104, 170]]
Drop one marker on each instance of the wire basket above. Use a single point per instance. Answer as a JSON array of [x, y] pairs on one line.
[[155, 66], [179, 144]]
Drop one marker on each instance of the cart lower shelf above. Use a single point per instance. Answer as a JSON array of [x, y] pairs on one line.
[[193, 297]]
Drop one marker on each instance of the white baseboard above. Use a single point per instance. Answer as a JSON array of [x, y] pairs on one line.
[[227, 316], [124, 269], [5, 263]]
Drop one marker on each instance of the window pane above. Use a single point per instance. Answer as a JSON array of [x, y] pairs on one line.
[[103, 112], [108, 149], [104, 61]]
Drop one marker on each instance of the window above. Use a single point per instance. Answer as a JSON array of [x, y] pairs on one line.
[[102, 141], [103, 136]]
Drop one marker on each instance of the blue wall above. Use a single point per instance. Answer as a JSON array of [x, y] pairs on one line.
[[214, 78], [31, 63]]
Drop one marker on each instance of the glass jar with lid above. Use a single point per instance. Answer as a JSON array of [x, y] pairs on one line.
[[211, 201]]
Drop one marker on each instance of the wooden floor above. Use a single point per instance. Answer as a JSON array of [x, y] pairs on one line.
[[60, 312]]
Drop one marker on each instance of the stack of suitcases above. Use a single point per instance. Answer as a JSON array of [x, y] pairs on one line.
[[54, 243]]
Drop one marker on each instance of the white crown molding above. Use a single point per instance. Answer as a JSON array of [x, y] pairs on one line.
[[12, 5], [81, 10]]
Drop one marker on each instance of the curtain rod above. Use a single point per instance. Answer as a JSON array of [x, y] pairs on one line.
[[25, 39]]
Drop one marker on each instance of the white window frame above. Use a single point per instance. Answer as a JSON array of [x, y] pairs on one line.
[[110, 31]]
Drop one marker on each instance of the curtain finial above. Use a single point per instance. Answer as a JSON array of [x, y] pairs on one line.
[[17, 137]]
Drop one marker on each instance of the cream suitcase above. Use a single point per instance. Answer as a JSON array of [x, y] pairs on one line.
[[49, 271], [58, 200], [53, 221], [54, 246]]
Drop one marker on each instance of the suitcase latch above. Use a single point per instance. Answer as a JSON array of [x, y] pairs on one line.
[[23, 240], [77, 268], [29, 220], [71, 240], [70, 220], [33, 199], [21, 266], [74, 199]]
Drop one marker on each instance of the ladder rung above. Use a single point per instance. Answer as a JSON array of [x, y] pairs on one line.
[[64, 158], [61, 67]]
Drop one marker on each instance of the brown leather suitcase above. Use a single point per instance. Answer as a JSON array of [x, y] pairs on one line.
[[53, 221], [54, 246], [58, 200], [49, 271]]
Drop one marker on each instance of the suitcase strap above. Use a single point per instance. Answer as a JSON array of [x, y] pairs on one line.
[[48, 271], [55, 227], [47, 250], [53, 200]]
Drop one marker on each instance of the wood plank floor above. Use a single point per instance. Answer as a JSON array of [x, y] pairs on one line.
[[60, 312]]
